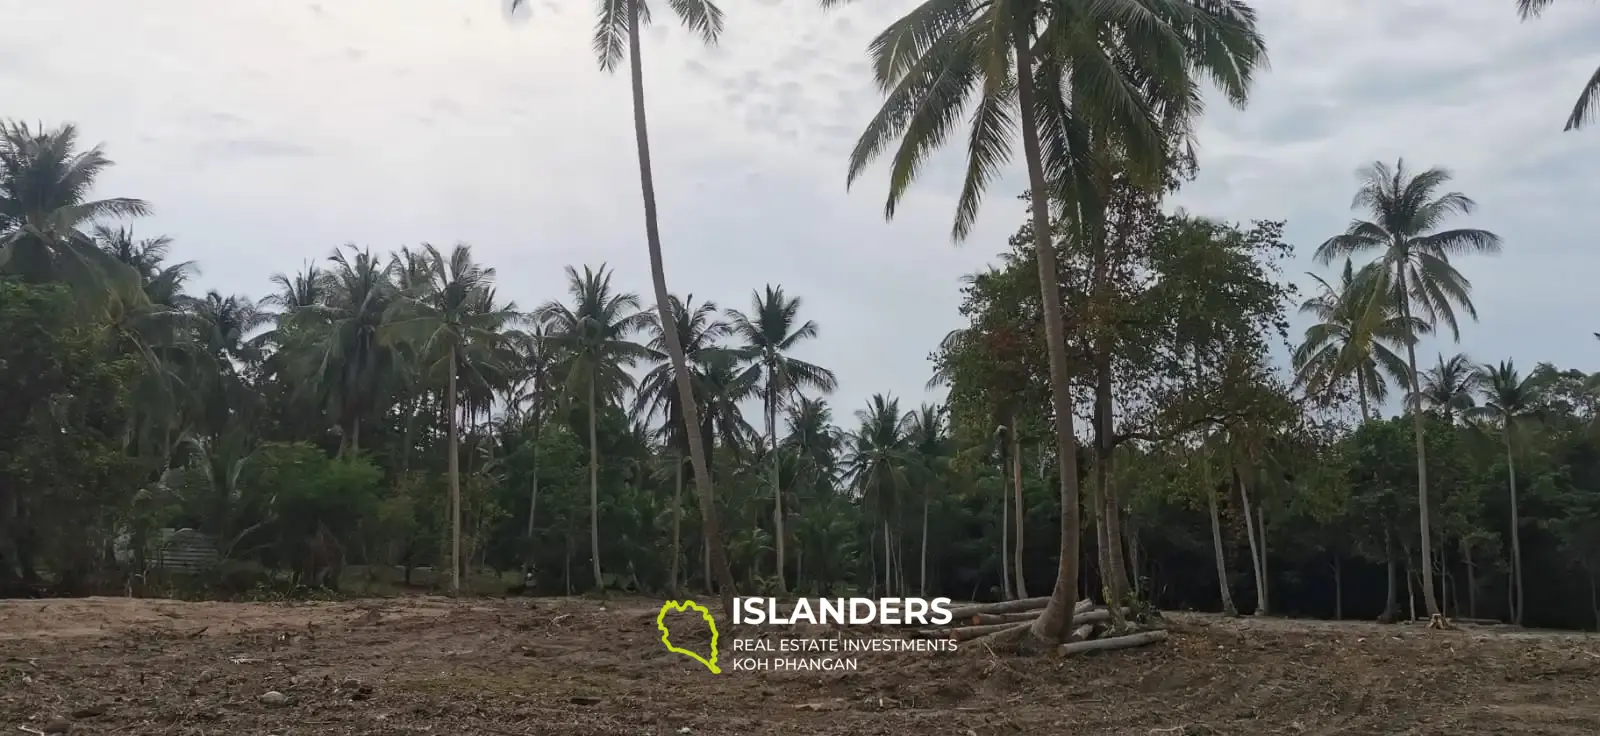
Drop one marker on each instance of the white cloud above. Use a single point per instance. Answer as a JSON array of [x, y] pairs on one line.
[[268, 132]]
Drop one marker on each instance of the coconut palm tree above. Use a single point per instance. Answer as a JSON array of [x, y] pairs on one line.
[[617, 27], [1414, 274], [1449, 385], [875, 465], [1508, 399], [45, 185], [767, 336], [1588, 103], [454, 330], [593, 339], [698, 330], [1081, 82], [1355, 339], [929, 446], [340, 356]]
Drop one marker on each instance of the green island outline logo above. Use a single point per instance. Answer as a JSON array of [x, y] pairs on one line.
[[682, 606]]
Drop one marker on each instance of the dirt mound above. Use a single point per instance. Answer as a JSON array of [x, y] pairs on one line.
[[576, 667]]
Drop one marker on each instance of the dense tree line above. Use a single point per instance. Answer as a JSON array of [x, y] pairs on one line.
[[1116, 424]]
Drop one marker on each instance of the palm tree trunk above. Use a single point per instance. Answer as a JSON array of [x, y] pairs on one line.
[[888, 570], [777, 487], [1472, 579], [718, 557], [922, 583], [1338, 588], [1516, 530], [533, 493], [1422, 458], [677, 523], [1391, 603], [594, 491], [1017, 568], [1361, 396], [1056, 620], [1224, 589], [454, 465]]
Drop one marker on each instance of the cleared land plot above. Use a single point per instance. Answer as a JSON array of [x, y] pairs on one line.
[[572, 666]]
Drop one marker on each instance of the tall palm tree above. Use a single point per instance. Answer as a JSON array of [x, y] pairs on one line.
[[593, 337], [446, 319], [930, 461], [698, 330], [1413, 260], [343, 358], [1509, 398], [767, 335], [1449, 385], [619, 25], [875, 465], [45, 185], [1354, 338], [1588, 103], [1070, 77]]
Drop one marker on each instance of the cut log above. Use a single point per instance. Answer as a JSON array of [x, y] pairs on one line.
[[963, 633], [1021, 604], [1090, 616], [980, 619], [1083, 633], [1126, 641]]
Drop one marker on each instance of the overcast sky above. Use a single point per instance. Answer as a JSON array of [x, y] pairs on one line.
[[267, 132]]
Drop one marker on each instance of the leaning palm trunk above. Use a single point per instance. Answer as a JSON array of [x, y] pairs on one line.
[[677, 523], [717, 557], [1052, 625], [454, 469], [1422, 456]]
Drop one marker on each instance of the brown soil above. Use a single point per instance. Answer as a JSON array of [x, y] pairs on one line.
[[576, 667]]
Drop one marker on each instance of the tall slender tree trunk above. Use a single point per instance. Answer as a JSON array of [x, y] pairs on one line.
[[533, 494], [594, 490], [680, 364], [677, 523], [1218, 553], [1472, 578], [1516, 529], [1424, 515], [1056, 620], [888, 569], [777, 485], [1338, 588], [1005, 534], [922, 583], [454, 469], [1266, 572], [1018, 569], [1391, 604], [1255, 546]]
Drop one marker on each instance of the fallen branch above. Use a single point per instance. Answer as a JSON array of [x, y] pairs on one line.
[[1125, 641]]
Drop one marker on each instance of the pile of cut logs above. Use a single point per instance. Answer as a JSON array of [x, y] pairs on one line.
[[1093, 628]]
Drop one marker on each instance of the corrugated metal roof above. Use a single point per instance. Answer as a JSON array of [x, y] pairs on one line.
[[186, 550]]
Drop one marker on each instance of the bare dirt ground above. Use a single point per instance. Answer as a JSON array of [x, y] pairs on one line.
[[578, 667]]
